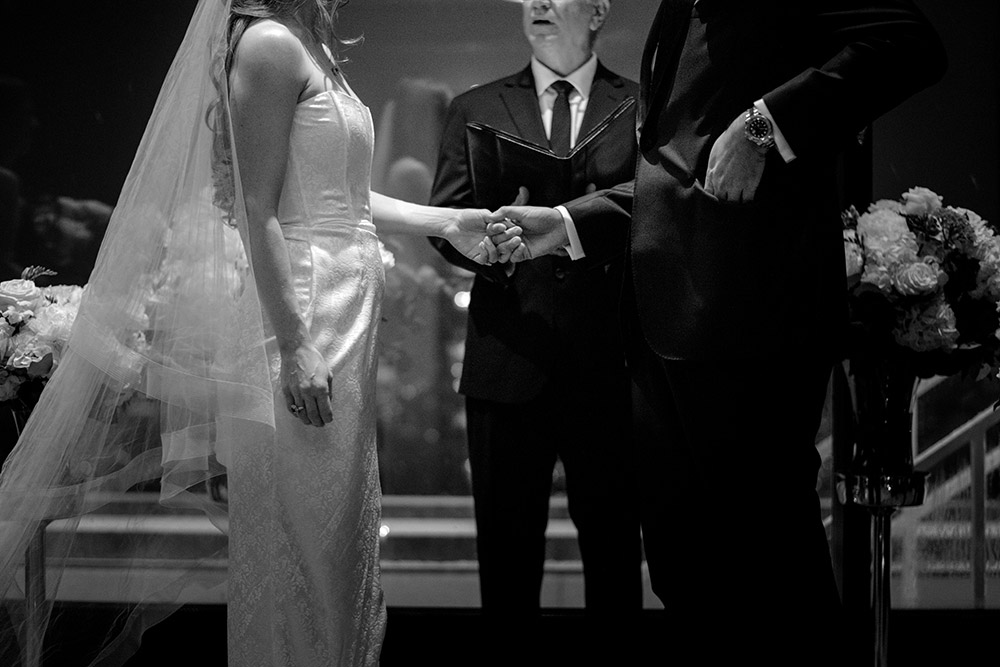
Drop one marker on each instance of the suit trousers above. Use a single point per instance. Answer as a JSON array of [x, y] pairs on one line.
[[513, 450], [731, 520]]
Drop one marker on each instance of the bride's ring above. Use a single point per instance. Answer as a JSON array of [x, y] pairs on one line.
[[295, 409]]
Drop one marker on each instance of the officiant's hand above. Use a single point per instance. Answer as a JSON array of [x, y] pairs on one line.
[[735, 166], [532, 231]]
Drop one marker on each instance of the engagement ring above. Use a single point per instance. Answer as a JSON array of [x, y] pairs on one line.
[[295, 409]]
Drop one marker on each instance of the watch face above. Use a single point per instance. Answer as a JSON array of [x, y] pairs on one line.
[[758, 127]]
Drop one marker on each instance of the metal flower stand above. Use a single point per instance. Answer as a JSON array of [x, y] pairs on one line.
[[882, 495], [34, 597]]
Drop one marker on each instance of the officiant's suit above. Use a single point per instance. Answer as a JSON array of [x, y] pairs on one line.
[[734, 312], [544, 373]]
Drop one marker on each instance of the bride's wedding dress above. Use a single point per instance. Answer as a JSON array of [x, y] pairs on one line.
[[304, 509], [170, 380]]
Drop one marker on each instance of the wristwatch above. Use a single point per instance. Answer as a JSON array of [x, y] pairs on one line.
[[758, 129]]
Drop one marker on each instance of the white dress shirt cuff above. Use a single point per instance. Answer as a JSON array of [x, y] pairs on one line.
[[779, 139], [574, 248]]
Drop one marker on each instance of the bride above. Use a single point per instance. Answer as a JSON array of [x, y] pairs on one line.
[[229, 327]]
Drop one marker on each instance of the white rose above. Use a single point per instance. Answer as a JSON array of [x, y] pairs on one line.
[[920, 201], [22, 294], [917, 278], [886, 204], [882, 228]]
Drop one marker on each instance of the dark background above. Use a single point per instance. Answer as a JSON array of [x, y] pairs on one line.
[[95, 69]]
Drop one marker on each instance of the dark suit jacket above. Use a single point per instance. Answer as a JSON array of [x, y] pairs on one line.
[[519, 326], [721, 280]]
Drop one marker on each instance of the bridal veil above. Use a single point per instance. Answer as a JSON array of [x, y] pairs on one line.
[[165, 379]]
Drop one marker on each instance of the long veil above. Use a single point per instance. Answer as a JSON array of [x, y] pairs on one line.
[[165, 370]]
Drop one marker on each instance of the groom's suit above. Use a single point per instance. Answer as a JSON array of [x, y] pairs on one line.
[[544, 374], [735, 311]]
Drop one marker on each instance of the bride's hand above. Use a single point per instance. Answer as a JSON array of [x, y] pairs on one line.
[[306, 383], [474, 234]]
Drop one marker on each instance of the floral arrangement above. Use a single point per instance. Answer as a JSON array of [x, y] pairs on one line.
[[923, 285], [35, 324], [924, 280]]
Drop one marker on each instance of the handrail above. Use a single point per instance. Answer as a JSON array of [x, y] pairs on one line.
[[971, 434]]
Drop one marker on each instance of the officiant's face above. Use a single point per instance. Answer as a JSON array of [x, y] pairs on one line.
[[563, 23]]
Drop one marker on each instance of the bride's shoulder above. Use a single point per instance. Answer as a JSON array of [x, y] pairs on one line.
[[269, 43], [270, 37]]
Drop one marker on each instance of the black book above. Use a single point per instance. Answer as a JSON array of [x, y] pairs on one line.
[[499, 162]]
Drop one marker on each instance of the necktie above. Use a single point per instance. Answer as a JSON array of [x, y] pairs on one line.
[[559, 134]]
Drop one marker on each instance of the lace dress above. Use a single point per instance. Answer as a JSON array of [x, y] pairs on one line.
[[304, 509]]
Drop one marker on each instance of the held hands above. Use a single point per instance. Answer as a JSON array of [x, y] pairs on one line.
[[519, 232], [306, 383], [475, 232], [735, 166], [532, 231]]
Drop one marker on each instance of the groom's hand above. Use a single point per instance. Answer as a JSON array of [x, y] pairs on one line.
[[735, 166], [533, 230]]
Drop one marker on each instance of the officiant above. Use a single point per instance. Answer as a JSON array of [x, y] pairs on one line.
[[544, 376]]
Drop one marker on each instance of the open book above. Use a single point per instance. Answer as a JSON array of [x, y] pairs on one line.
[[500, 162]]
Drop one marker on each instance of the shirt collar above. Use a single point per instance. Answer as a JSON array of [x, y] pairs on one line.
[[581, 78]]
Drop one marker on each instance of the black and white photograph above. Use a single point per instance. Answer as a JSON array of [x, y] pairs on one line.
[[499, 333]]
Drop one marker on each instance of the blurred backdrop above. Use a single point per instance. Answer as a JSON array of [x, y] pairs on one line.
[[78, 80]]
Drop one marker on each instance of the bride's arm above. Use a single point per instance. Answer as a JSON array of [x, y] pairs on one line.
[[265, 85], [465, 228]]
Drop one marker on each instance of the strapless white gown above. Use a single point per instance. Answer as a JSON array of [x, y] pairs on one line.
[[305, 509]]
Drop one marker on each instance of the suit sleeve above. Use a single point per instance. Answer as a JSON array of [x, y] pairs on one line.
[[602, 221], [880, 53], [453, 189]]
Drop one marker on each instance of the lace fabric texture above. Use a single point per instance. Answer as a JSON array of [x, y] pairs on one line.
[[168, 382], [304, 568]]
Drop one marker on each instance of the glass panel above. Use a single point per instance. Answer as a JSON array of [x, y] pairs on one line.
[[993, 521], [92, 79]]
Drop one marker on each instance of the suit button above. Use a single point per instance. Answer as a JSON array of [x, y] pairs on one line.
[[560, 274]]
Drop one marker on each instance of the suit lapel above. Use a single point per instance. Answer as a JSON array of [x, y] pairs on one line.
[[659, 58], [519, 98], [606, 92]]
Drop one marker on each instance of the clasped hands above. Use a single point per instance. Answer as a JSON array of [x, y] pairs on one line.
[[516, 233]]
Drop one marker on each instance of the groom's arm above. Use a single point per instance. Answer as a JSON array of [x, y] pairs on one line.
[[593, 229], [597, 223]]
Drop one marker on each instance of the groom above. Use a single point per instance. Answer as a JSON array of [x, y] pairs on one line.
[[734, 306]]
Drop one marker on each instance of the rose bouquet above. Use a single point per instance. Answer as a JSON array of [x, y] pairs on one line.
[[35, 324], [924, 288], [924, 283]]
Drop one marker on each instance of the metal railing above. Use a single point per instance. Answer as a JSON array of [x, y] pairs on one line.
[[973, 436], [909, 524]]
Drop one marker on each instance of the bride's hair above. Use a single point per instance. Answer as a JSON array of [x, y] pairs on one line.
[[242, 14]]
